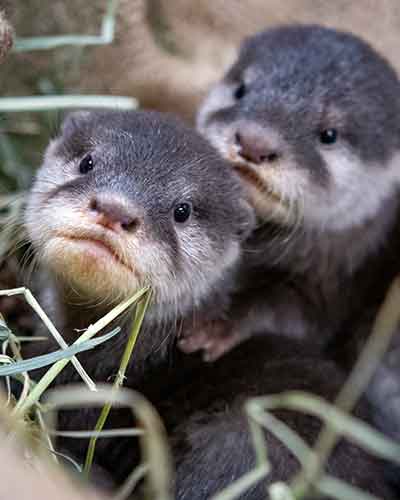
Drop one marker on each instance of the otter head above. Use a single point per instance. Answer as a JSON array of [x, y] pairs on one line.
[[128, 199], [310, 118]]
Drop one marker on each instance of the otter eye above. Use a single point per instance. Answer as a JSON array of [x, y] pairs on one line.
[[182, 212], [240, 91], [86, 164], [328, 136]]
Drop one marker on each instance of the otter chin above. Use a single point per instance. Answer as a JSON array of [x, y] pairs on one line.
[[91, 267]]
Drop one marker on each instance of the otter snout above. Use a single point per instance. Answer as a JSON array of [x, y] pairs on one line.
[[114, 213], [256, 144], [255, 147]]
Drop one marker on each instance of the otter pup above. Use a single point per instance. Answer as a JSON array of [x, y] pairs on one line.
[[125, 199], [310, 119]]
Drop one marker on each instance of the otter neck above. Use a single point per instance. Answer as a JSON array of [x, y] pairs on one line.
[[325, 253], [71, 313], [343, 277]]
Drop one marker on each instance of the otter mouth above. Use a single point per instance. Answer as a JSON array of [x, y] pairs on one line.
[[97, 246], [249, 175]]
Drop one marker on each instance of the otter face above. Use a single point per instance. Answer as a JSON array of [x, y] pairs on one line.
[[127, 199], [309, 117]]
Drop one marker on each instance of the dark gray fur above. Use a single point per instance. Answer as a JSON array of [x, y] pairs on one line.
[[209, 431], [210, 434]]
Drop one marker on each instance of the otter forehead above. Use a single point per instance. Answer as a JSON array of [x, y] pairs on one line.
[[145, 146], [304, 61]]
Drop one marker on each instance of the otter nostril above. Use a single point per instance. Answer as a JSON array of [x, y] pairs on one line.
[[271, 157], [130, 225], [93, 205], [237, 138]]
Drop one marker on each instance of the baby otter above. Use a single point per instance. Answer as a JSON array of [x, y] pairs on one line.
[[310, 119], [126, 199]]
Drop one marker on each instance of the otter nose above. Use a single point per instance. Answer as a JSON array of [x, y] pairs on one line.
[[254, 147], [114, 213]]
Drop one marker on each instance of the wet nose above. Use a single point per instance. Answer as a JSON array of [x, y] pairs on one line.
[[114, 213], [255, 147]]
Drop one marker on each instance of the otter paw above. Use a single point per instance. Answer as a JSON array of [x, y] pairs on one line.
[[214, 339], [193, 341]]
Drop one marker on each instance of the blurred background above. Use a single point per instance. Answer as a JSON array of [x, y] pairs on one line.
[[166, 53]]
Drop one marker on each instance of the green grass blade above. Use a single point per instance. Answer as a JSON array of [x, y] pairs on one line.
[[139, 316], [48, 359], [54, 371], [52, 42], [49, 103]]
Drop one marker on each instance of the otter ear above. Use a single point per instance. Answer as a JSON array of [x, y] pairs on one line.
[[247, 219], [71, 141], [74, 121]]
